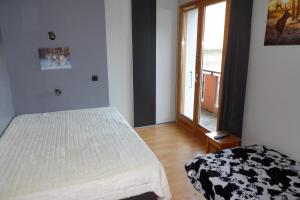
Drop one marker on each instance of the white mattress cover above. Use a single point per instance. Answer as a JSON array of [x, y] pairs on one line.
[[90, 154]]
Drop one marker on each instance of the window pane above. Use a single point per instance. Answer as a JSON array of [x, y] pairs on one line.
[[212, 48], [189, 49]]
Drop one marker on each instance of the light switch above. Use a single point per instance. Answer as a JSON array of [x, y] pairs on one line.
[[94, 78]]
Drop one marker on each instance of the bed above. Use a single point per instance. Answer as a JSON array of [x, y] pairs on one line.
[[250, 172], [90, 154]]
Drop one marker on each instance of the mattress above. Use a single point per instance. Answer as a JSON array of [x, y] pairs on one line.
[[252, 172], [90, 154]]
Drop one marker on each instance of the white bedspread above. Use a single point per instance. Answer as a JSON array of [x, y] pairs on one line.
[[90, 154]]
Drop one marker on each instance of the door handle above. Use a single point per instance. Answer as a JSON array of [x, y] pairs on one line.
[[196, 77], [191, 79]]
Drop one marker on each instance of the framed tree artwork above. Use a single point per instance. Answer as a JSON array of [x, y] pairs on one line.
[[283, 23]]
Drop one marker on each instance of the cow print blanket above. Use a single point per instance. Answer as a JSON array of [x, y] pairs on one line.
[[252, 172]]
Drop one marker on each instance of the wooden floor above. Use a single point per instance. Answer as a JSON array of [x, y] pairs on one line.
[[173, 146]]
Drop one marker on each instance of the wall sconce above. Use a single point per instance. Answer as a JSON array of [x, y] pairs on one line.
[[52, 35], [58, 92]]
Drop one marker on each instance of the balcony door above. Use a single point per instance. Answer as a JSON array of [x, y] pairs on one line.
[[202, 37]]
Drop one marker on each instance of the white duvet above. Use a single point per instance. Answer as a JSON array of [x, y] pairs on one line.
[[90, 154]]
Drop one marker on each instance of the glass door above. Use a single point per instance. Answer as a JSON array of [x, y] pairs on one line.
[[211, 65], [202, 29], [189, 36]]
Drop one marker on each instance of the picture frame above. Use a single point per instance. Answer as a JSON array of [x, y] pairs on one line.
[[283, 23], [54, 58]]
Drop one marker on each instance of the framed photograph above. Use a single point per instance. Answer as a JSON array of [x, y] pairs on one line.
[[283, 23], [54, 58]]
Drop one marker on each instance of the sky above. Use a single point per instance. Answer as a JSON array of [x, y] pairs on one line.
[[214, 26]]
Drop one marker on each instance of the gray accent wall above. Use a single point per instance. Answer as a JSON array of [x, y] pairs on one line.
[[6, 107], [79, 25]]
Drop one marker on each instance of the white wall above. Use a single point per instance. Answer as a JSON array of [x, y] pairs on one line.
[[119, 56], [272, 111], [166, 60], [180, 2]]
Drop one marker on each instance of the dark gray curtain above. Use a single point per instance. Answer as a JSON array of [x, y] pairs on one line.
[[236, 67], [144, 61]]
